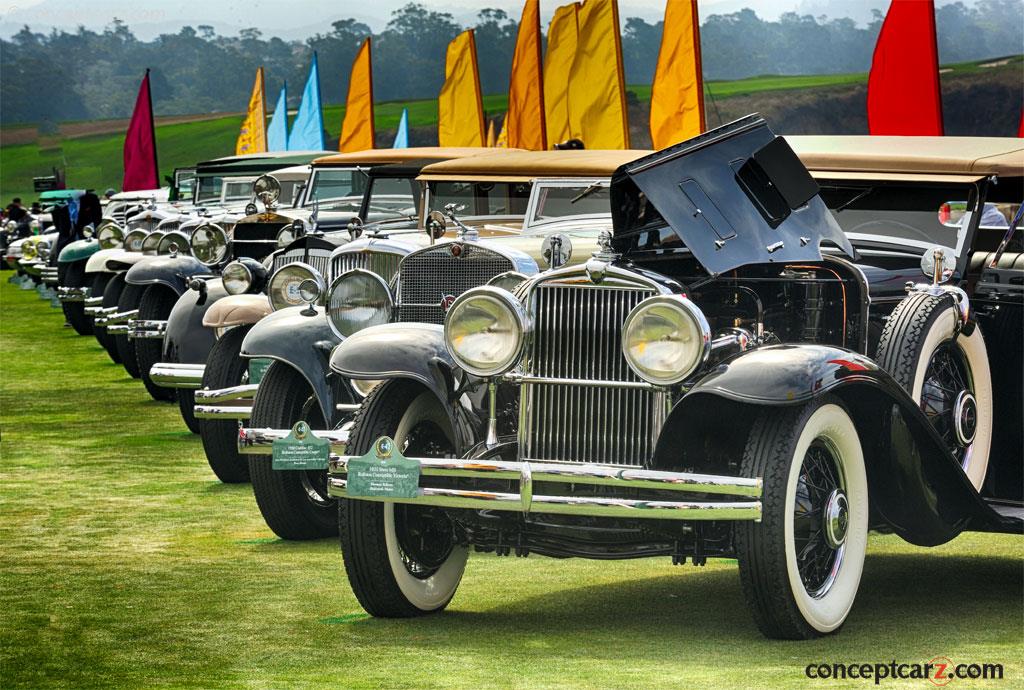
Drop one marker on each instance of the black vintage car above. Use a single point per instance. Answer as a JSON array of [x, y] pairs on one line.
[[752, 367]]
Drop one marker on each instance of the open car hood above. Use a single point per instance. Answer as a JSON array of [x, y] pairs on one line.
[[736, 195]]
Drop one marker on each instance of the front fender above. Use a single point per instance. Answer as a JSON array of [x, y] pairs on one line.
[[916, 487], [97, 262], [172, 271], [187, 340], [78, 250], [300, 340], [237, 310], [122, 261]]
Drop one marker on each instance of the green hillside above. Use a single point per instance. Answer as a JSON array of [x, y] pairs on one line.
[[95, 161]]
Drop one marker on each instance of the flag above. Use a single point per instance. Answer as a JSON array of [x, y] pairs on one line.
[[903, 85], [597, 90], [402, 135], [502, 142], [562, 34], [460, 109], [307, 132], [253, 137], [492, 140], [140, 167], [525, 118], [277, 131], [357, 128], [1020, 129], [677, 94]]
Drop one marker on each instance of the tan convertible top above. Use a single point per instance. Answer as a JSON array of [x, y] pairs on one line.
[[384, 156], [527, 165], [922, 155]]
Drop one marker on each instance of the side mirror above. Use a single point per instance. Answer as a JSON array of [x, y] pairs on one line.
[[938, 263], [436, 225]]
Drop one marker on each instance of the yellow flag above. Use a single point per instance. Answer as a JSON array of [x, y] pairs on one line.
[[502, 142], [357, 127], [525, 118], [460, 109], [597, 90], [492, 140], [253, 136], [677, 94], [562, 34]]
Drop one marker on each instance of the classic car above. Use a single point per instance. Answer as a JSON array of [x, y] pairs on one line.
[[387, 277], [335, 191], [751, 367]]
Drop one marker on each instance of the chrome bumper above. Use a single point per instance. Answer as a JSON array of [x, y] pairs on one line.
[[34, 268], [94, 308], [117, 318], [74, 294], [238, 398], [745, 505], [260, 441], [142, 328], [174, 375], [49, 274]]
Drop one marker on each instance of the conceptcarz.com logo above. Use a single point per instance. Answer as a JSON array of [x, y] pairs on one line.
[[939, 671]]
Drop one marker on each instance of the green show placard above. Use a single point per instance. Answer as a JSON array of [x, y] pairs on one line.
[[300, 450], [383, 472], [258, 368]]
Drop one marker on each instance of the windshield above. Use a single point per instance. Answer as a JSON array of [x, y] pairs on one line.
[[337, 190], [561, 201], [209, 188], [482, 198], [237, 189], [392, 198]]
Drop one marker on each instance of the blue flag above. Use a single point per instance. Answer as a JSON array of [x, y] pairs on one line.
[[277, 130], [402, 135], [308, 129]]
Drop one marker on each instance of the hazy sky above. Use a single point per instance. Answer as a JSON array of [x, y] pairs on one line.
[[300, 18]]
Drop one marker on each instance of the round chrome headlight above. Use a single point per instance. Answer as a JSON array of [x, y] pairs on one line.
[[284, 285], [665, 338], [178, 239], [28, 251], [134, 239], [88, 231], [209, 244], [109, 235], [358, 299], [485, 330], [11, 225], [285, 236], [509, 280], [152, 242], [237, 278], [43, 250]]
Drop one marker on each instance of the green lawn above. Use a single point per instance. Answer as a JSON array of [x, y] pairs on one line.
[[123, 562]]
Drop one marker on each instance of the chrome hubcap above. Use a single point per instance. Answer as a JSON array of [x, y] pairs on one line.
[[836, 518], [965, 418]]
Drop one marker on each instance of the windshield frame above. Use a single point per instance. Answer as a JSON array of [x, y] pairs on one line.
[[541, 183]]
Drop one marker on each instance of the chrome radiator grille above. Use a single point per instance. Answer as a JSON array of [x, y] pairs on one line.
[[577, 334], [318, 259], [384, 264], [430, 279]]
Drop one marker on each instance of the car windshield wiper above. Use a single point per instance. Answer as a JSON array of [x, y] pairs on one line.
[[587, 192], [853, 200]]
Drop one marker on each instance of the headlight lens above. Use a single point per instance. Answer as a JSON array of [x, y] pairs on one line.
[[285, 236], [284, 285], [28, 250], [665, 338], [110, 236], [134, 239], [237, 278], [152, 242], [358, 299], [485, 330], [209, 244], [178, 239], [43, 250]]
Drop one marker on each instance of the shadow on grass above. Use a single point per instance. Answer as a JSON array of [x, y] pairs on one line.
[[909, 594]]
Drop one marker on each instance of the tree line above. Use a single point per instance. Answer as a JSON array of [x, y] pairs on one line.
[[48, 78]]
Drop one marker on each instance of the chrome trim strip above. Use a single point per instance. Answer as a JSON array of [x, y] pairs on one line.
[[142, 328], [513, 377], [174, 375], [222, 411], [218, 395]]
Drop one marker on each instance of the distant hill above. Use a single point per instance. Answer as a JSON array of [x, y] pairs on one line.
[[980, 98]]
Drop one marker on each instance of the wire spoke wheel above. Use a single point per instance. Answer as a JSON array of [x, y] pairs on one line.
[[820, 518], [949, 402]]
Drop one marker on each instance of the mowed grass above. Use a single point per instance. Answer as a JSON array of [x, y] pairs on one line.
[[123, 562]]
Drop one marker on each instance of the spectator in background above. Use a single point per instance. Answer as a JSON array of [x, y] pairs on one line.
[[36, 209], [89, 211], [15, 211]]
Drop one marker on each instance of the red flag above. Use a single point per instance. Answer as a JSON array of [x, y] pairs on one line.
[[1020, 130], [140, 168], [903, 86]]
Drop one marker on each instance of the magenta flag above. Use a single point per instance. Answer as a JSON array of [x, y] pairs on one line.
[[140, 169]]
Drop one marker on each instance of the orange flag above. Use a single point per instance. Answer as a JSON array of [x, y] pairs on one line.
[[252, 138], [357, 128], [492, 139], [597, 90], [677, 94], [562, 36], [460, 109], [525, 118]]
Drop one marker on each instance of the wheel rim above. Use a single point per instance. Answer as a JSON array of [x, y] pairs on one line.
[[820, 518], [314, 482], [948, 400]]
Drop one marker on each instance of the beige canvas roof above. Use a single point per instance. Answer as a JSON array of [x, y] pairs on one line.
[[384, 156], [918, 155], [526, 165]]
